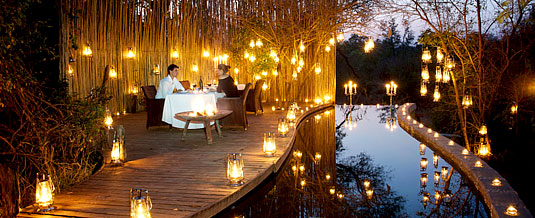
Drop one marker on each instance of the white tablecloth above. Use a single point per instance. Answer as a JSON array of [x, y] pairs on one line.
[[176, 103]]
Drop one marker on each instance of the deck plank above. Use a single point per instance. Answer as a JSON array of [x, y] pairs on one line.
[[183, 177]]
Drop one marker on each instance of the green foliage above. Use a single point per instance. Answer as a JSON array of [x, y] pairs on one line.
[[43, 129], [241, 43]]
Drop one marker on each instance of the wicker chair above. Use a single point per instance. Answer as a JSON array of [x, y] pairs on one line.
[[238, 118], [254, 102], [154, 107]]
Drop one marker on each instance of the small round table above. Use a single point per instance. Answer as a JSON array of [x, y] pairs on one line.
[[205, 119]]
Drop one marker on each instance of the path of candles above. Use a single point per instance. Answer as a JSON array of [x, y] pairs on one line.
[[184, 178]]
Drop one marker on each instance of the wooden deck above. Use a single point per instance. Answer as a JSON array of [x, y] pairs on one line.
[[184, 178]]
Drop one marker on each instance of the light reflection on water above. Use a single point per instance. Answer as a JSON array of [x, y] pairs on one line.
[[335, 185]]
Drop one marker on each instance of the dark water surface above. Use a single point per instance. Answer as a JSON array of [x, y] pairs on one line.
[[338, 159]]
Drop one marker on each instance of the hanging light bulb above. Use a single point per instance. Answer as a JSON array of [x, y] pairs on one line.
[[301, 47], [426, 56], [251, 43], [368, 45], [436, 94], [206, 54], [70, 71], [327, 48], [438, 74], [293, 60], [425, 73]]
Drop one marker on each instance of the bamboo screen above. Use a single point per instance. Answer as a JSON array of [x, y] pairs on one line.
[[159, 33]]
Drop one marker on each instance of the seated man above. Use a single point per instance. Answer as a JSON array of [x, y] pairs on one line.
[[170, 83], [226, 82]]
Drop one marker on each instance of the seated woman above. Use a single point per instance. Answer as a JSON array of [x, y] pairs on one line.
[[226, 82]]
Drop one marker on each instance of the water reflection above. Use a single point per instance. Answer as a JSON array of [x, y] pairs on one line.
[[335, 170]]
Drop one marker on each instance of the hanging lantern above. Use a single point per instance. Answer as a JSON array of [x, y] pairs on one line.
[[450, 64], [440, 55], [332, 41], [422, 148], [317, 157], [259, 43], [444, 172], [426, 56], [283, 127], [130, 53], [301, 62], [235, 173], [87, 50], [514, 108], [245, 55], [70, 71], [467, 101], [425, 198], [436, 94], [423, 89], [423, 164], [423, 180], [435, 160], [484, 148], [140, 203], [156, 69], [205, 53], [44, 192], [269, 147], [446, 76], [340, 37], [252, 43], [369, 193], [438, 74], [174, 54], [436, 178], [301, 47], [368, 45], [327, 48], [425, 73], [317, 69], [112, 72], [483, 130]]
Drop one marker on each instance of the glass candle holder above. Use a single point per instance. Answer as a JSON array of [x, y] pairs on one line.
[[270, 146], [140, 203], [235, 173], [118, 151], [283, 127], [44, 192]]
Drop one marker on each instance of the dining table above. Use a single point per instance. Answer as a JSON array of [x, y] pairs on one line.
[[187, 101]]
